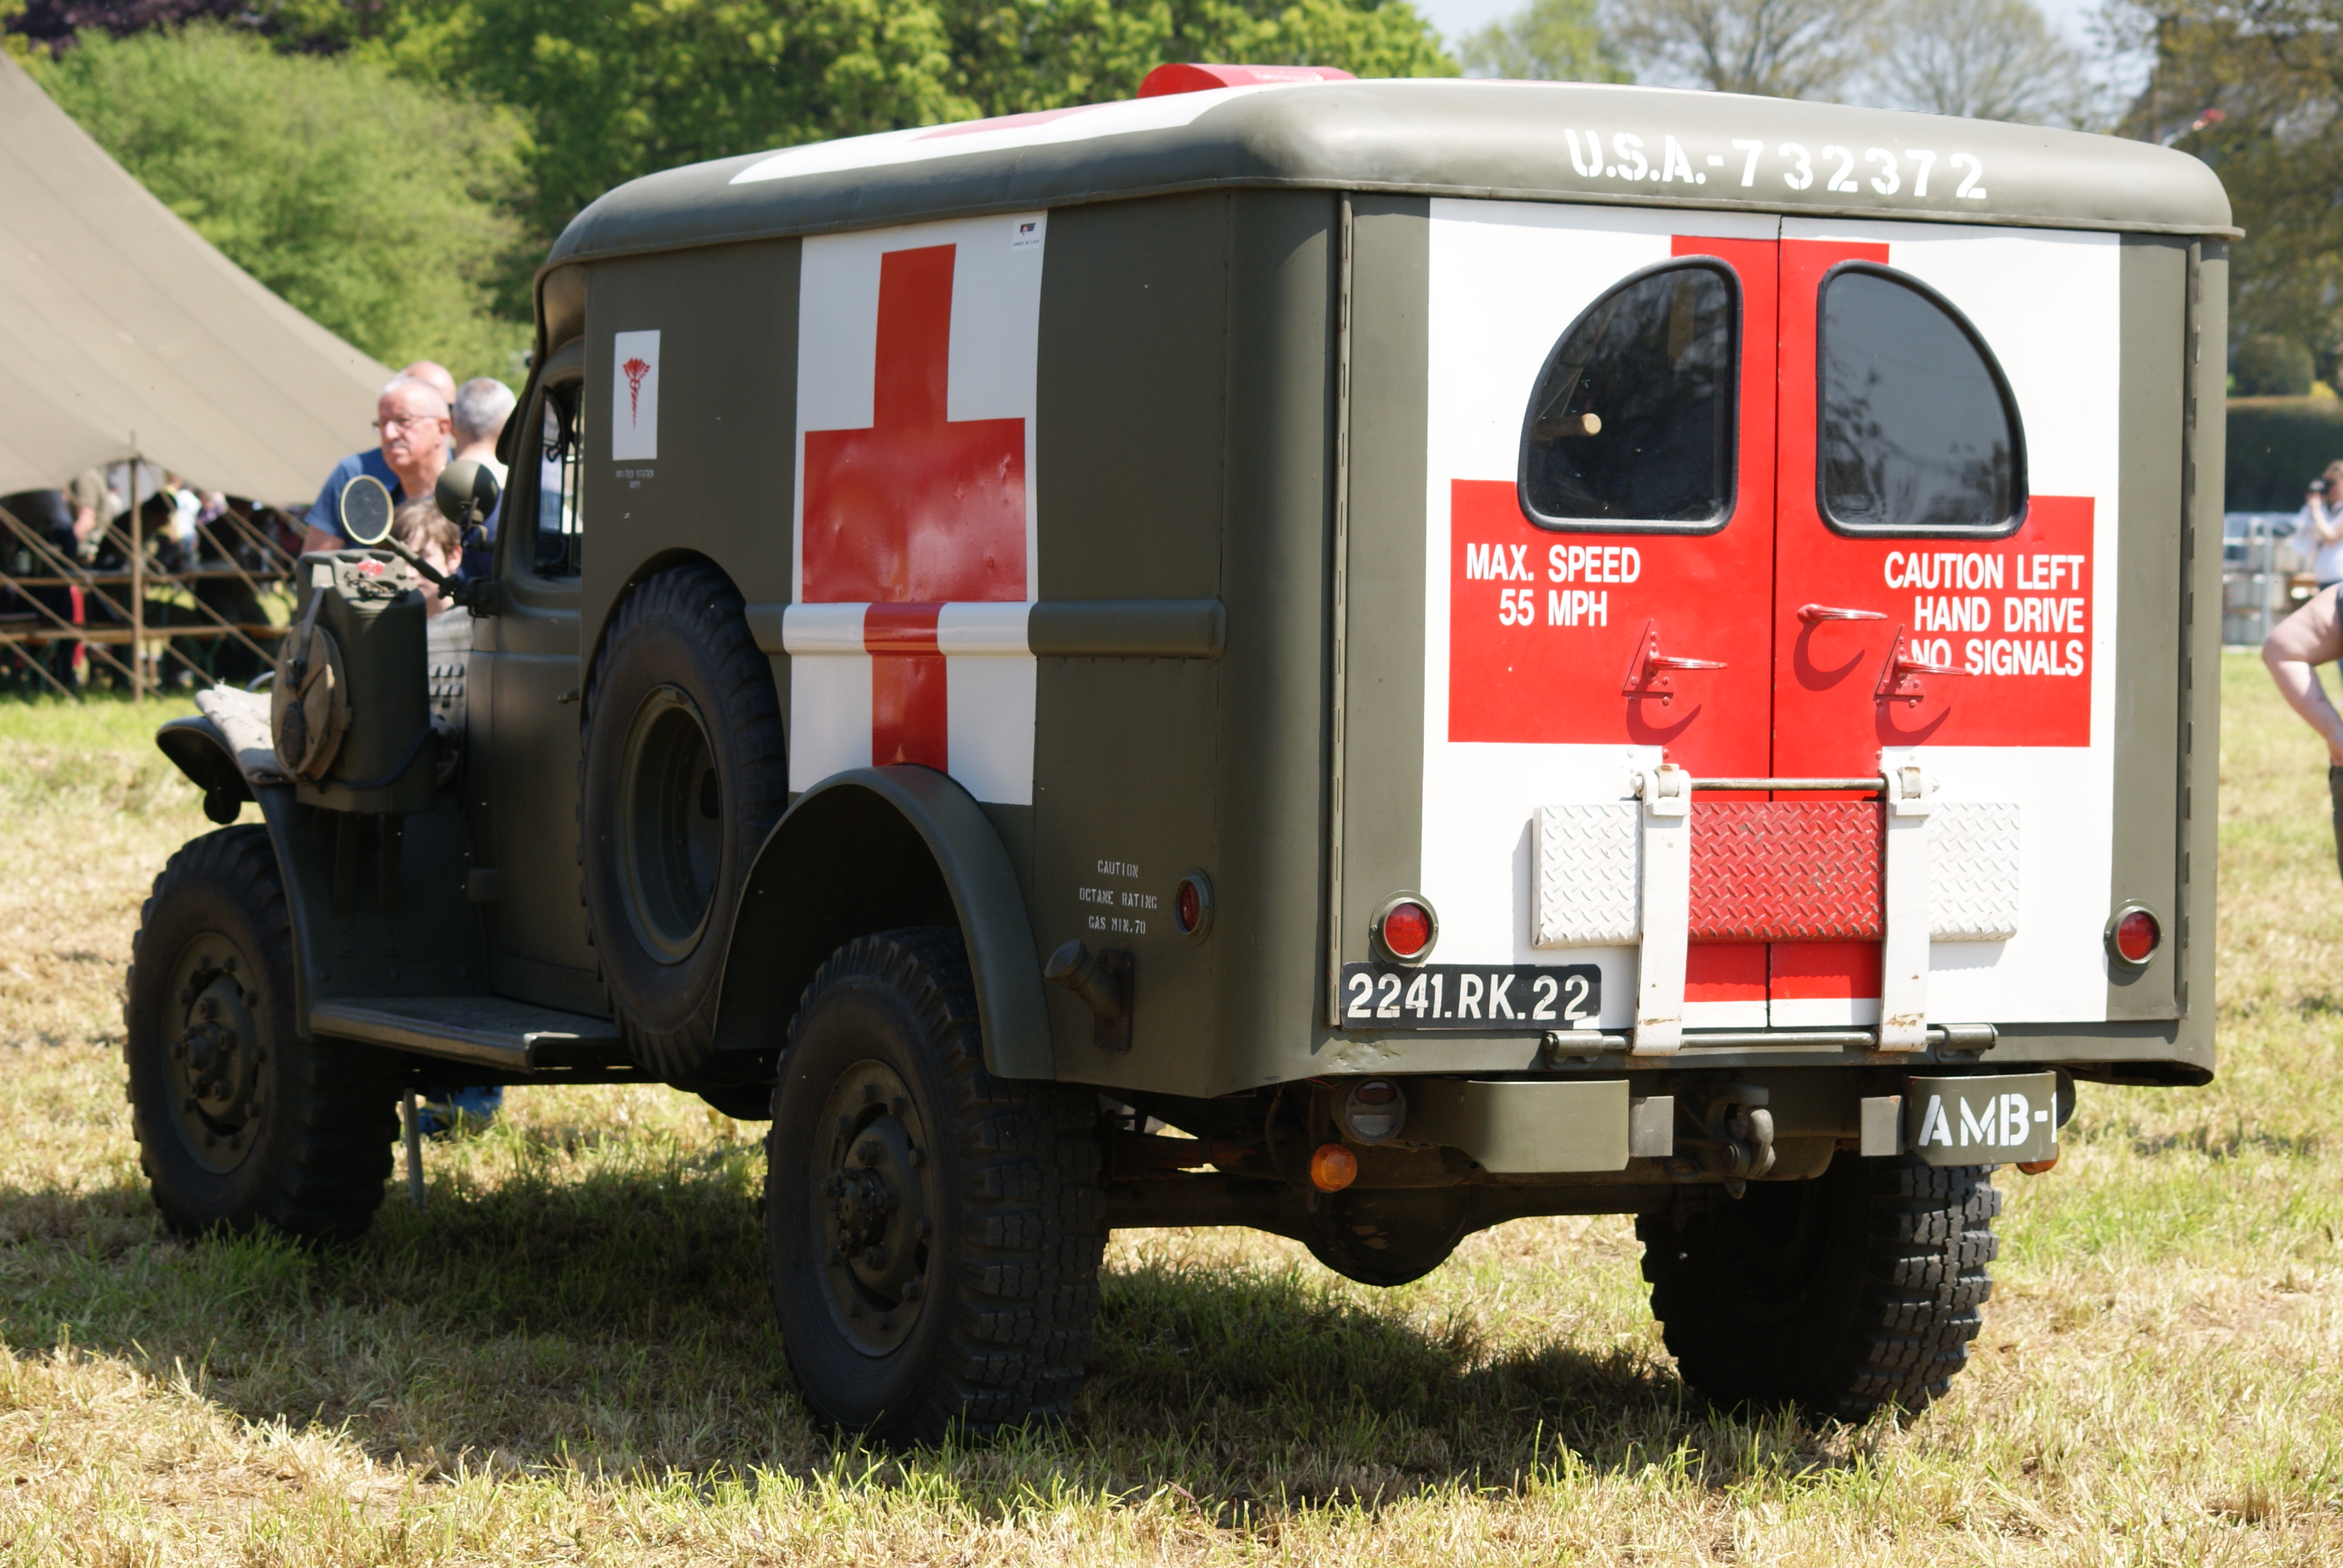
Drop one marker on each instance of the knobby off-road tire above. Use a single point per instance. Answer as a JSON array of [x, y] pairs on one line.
[[240, 1124], [1858, 1289], [681, 773], [933, 1231]]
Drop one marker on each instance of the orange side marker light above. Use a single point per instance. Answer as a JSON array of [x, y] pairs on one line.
[[1333, 1168]]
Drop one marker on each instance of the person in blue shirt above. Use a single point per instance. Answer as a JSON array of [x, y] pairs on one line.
[[411, 410]]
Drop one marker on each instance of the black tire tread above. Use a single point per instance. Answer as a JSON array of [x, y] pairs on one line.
[[705, 601], [1919, 1284], [335, 1118], [1034, 1236]]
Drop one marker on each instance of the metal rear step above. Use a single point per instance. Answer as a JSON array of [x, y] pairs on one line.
[[494, 1031]]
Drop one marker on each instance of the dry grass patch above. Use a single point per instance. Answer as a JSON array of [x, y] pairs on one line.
[[568, 1356]]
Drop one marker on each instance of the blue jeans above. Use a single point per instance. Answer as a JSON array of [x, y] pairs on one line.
[[443, 1106]]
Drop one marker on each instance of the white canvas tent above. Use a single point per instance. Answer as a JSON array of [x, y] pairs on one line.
[[124, 331]]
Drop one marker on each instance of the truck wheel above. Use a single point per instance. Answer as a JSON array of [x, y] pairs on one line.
[[680, 775], [240, 1124], [1857, 1289], [933, 1231]]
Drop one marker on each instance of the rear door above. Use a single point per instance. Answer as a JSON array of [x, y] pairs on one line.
[[1877, 540], [1947, 430], [1603, 453]]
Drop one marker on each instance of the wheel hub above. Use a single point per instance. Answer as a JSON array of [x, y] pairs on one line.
[[872, 1203], [670, 825], [214, 1057]]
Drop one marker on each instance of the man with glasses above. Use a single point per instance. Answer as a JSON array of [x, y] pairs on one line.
[[411, 417]]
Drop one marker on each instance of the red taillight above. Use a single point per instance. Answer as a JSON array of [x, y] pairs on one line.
[[1407, 929], [2136, 934], [1191, 906]]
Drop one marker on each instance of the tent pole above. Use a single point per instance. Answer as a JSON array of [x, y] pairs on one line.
[[137, 583]]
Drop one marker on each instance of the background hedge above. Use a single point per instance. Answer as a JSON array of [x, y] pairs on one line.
[[2277, 446]]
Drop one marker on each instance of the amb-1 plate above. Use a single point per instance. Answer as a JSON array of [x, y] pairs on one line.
[[1476, 998]]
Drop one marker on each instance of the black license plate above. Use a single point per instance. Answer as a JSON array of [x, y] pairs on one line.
[[1482, 997]]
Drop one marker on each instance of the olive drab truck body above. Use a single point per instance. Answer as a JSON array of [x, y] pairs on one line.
[[1377, 657]]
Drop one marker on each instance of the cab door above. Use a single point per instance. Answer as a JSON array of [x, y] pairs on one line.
[[1934, 607], [523, 791]]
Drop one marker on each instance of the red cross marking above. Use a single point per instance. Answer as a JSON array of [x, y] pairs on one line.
[[914, 510]]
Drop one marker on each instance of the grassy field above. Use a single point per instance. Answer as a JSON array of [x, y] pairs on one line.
[[568, 1356]]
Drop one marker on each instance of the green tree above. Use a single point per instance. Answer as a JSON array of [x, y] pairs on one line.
[[622, 89], [1546, 41], [1011, 56], [615, 90], [382, 208], [2270, 365], [2255, 89]]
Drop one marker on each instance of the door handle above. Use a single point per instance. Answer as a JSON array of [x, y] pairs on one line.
[[1815, 614], [1895, 678], [1648, 669]]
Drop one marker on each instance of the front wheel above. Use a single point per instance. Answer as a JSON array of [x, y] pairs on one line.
[[1857, 1289], [933, 1232], [241, 1123]]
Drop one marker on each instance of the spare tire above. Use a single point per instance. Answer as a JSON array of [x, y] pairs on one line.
[[682, 772]]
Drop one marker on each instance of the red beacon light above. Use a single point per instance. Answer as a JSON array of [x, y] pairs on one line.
[[2134, 935], [1180, 77]]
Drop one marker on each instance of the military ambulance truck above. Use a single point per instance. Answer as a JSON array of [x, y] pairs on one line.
[[1363, 659]]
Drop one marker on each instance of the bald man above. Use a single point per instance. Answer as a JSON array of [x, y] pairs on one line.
[[325, 531], [2310, 636]]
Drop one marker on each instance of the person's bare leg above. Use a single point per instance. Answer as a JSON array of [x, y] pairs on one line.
[[2309, 637]]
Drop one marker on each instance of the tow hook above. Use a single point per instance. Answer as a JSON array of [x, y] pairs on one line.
[[1740, 1133]]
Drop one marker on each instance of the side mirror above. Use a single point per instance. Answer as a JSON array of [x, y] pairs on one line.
[[466, 492], [366, 510]]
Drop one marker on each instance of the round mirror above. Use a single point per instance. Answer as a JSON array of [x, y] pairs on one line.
[[466, 492], [366, 510]]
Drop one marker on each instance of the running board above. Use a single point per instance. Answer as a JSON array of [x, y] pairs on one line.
[[492, 1030]]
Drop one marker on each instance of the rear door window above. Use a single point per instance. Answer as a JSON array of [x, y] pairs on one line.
[[1632, 421], [1919, 433]]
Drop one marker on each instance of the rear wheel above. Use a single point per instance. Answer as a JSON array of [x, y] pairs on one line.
[[1857, 1289], [933, 1231], [241, 1123]]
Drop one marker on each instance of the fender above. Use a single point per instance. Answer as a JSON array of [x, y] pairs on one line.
[[200, 749], [197, 749], [430, 943], [867, 850]]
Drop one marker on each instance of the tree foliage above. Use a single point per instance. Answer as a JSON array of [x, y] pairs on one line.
[[2270, 365], [1546, 41], [2273, 70], [620, 89], [1776, 48], [1982, 59], [381, 207]]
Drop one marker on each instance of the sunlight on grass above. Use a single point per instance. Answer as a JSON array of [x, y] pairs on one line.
[[569, 1354]]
